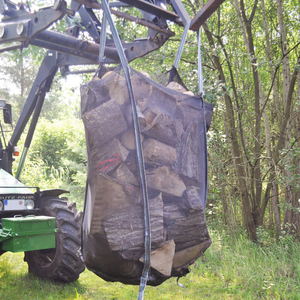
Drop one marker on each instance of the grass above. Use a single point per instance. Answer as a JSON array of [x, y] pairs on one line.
[[230, 269]]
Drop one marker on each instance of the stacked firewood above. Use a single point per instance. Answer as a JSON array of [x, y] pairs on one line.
[[172, 126]]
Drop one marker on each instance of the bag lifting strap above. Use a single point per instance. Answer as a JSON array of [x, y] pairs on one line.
[[139, 149]]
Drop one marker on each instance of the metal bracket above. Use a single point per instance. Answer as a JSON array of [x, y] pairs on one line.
[[22, 25], [208, 9], [89, 23], [153, 9], [5, 234]]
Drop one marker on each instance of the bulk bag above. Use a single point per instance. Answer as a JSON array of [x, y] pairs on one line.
[[172, 129]]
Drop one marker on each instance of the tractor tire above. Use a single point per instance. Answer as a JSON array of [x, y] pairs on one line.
[[64, 263]]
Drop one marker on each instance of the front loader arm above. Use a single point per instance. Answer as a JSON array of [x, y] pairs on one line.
[[32, 107], [20, 25]]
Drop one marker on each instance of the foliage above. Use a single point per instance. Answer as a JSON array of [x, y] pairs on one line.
[[18, 70], [16, 74], [257, 154], [56, 143], [57, 158]]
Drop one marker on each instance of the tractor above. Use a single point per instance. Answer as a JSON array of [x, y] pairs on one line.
[[40, 223]]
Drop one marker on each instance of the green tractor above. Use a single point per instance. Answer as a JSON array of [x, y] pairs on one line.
[[40, 223]]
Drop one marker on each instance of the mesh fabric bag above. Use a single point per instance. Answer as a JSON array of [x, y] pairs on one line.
[[172, 129]]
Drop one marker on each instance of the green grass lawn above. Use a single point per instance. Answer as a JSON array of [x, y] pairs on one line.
[[230, 269]]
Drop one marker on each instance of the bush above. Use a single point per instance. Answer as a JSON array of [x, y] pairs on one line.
[[57, 157]]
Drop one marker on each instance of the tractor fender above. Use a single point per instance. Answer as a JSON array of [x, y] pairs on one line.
[[52, 193]]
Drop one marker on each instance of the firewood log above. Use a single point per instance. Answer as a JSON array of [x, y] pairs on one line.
[[141, 88], [192, 198], [128, 139], [183, 230], [189, 153], [107, 74], [163, 128], [158, 99], [118, 88], [145, 74], [179, 88], [157, 152], [129, 117], [104, 122], [162, 258], [107, 158], [125, 228], [143, 103], [165, 180], [93, 95], [185, 114], [150, 116], [123, 174], [187, 256], [110, 196], [176, 86]]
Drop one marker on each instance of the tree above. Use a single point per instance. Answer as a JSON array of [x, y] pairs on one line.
[[259, 96]]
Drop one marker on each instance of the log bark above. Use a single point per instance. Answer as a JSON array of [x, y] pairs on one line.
[[104, 123], [110, 196], [129, 116], [107, 158], [192, 198], [93, 95], [189, 153], [185, 114], [180, 225], [125, 228]]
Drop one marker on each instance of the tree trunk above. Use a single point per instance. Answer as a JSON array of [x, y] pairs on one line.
[[272, 71], [240, 171], [276, 209]]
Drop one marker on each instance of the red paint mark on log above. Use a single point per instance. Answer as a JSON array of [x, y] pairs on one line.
[[104, 165]]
